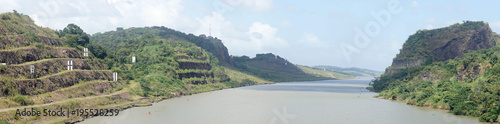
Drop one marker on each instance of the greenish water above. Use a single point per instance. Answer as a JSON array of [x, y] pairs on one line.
[[316, 102]]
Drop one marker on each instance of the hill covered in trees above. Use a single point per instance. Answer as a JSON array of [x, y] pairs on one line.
[[50, 69], [166, 64], [275, 68], [455, 68], [113, 39]]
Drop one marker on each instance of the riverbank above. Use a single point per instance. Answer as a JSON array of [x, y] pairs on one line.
[[120, 97], [430, 107]]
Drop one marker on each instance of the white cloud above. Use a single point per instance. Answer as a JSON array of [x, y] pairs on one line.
[[414, 3], [265, 35], [310, 39], [256, 5], [217, 24], [257, 38], [103, 15], [495, 26], [286, 24]]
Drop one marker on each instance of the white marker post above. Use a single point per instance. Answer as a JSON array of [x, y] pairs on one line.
[[133, 58], [85, 52], [115, 76], [32, 69], [70, 65]]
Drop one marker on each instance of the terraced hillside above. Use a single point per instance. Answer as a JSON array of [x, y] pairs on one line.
[[166, 64], [197, 70], [50, 84]]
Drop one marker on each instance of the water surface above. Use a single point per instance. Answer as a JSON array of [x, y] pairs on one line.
[[313, 102]]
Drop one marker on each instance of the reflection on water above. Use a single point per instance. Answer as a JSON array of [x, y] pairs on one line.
[[331, 101], [311, 88]]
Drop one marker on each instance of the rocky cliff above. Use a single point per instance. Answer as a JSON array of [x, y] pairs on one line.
[[426, 46]]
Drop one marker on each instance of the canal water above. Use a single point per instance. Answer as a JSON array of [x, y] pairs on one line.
[[312, 102]]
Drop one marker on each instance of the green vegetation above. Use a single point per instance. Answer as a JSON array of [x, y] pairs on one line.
[[274, 68], [424, 43], [22, 100], [73, 35], [455, 68], [164, 62], [168, 63], [350, 71], [20, 30], [324, 73], [466, 86], [129, 37], [240, 77]]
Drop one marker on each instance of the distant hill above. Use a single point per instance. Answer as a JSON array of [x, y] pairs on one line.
[[275, 68], [455, 68], [351, 71], [325, 73]]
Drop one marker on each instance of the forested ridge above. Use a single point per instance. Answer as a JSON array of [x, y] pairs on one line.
[[467, 84]]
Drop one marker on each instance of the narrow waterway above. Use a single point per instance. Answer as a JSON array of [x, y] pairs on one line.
[[314, 102]]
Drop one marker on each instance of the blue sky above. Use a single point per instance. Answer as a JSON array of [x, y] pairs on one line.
[[328, 32]]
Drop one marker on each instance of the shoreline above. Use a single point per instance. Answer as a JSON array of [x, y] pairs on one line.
[[428, 107], [157, 100], [131, 101]]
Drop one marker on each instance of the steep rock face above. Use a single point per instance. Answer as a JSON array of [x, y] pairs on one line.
[[222, 54], [406, 63], [195, 65], [27, 54], [195, 74], [52, 83], [443, 44], [457, 47]]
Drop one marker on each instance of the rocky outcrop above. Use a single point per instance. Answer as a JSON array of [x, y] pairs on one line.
[[47, 67], [195, 75], [469, 71], [443, 44], [52, 83], [27, 54], [194, 65], [457, 47], [407, 63], [222, 54], [203, 58]]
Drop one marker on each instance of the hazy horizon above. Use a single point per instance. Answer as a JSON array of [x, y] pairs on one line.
[[364, 34]]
